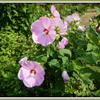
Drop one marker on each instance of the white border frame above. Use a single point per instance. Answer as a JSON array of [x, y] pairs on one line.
[[80, 98], [49, 1]]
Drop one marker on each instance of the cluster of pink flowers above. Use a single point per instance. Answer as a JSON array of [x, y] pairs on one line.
[[75, 17], [44, 32], [43, 29]]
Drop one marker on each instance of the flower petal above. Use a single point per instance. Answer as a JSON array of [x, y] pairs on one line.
[[47, 39], [69, 18], [58, 22], [39, 68], [39, 80], [55, 12], [63, 43], [23, 60], [52, 9], [75, 16], [36, 27], [23, 73], [45, 22], [30, 82]]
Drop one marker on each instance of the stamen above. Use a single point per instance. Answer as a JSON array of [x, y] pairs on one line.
[[33, 72], [45, 31]]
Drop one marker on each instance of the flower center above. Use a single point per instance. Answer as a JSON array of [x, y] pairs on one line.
[[45, 31], [33, 72]]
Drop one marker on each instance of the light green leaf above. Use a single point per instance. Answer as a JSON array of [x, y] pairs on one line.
[[89, 47], [64, 60], [98, 10], [54, 62], [65, 51]]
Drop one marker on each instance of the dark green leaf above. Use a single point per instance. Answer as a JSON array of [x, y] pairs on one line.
[[93, 38], [93, 72], [97, 93], [87, 58]]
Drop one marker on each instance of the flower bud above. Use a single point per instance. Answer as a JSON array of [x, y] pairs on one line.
[[90, 19], [57, 36], [57, 29], [82, 28], [51, 17], [65, 76]]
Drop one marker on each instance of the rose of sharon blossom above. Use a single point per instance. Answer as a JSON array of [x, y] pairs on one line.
[[43, 31], [54, 12], [65, 76], [72, 17], [31, 73], [63, 43], [82, 28], [62, 26]]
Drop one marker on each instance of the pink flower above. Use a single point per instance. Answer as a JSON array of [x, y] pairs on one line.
[[43, 31], [31, 73], [65, 76], [72, 17], [55, 12], [59, 23], [63, 43], [82, 28]]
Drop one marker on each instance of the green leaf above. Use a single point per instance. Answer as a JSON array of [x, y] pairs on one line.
[[93, 38], [96, 55], [76, 65], [87, 58], [65, 51], [54, 62], [64, 60], [42, 59], [24, 9], [97, 18], [93, 31], [98, 10], [89, 47], [97, 93], [93, 72]]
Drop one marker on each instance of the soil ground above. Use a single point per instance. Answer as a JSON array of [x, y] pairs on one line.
[[89, 14]]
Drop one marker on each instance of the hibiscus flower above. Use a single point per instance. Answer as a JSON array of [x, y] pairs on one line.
[[31, 73], [43, 31]]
